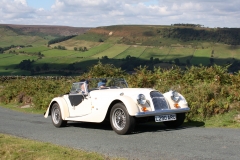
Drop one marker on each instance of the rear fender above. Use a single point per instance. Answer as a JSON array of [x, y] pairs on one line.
[[63, 107]]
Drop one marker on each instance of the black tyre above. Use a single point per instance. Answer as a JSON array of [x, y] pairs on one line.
[[57, 116], [121, 121], [176, 123]]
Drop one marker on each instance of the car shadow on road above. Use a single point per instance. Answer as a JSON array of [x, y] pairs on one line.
[[160, 127], [103, 126], [140, 128]]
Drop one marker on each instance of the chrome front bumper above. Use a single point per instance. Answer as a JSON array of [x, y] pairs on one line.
[[162, 112]]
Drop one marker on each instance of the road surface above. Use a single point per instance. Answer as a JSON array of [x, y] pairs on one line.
[[150, 141]]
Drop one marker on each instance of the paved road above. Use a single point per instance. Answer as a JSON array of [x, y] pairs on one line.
[[152, 141]]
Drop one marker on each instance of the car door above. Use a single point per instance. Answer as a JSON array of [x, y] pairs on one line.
[[80, 101]]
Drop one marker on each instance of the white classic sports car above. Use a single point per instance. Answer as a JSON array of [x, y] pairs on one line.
[[96, 100]]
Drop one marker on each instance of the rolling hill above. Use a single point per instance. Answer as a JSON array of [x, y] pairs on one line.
[[125, 46]]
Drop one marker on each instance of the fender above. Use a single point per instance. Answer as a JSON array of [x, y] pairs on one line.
[[63, 107], [131, 105]]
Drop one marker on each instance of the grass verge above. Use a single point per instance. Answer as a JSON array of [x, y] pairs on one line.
[[18, 148], [17, 107], [227, 120]]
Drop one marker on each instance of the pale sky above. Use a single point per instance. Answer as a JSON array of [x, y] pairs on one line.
[[94, 13]]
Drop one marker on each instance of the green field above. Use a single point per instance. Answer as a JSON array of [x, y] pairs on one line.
[[71, 43], [115, 43], [21, 40], [224, 53], [112, 52], [9, 61], [9, 37], [133, 51], [201, 56], [58, 53], [155, 52], [182, 53], [34, 49]]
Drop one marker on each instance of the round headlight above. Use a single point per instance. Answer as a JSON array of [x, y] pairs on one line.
[[141, 99], [175, 96]]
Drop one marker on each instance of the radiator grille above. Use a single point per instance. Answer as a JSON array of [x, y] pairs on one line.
[[158, 100]]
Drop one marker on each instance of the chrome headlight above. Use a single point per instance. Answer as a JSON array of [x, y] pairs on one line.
[[175, 96], [141, 99]]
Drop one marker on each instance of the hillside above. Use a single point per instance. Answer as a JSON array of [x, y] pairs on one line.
[[46, 30], [124, 46]]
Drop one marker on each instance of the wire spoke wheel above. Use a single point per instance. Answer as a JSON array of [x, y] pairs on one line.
[[119, 119], [56, 115]]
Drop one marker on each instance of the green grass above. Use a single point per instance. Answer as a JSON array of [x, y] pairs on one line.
[[58, 53], [182, 53], [53, 62], [112, 52], [224, 53], [9, 61], [71, 43], [34, 49], [95, 50], [22, 40], [226, 120], [155, 52], [201, 56], [133, 51], [61, 58], [17, 107], [139, 45], [19, 148]]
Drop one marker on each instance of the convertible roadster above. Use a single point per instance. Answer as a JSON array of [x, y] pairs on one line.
[[97, 100]]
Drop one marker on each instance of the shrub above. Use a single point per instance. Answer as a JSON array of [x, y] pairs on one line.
[[208, 90]]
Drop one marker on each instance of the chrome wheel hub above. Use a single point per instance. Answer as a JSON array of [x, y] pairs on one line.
[[119, 119], [56, 115]]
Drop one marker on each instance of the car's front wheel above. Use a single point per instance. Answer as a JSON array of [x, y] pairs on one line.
[[121, 121], [176, 123], [57, 116]]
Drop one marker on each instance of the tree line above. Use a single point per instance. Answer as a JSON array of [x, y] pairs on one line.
[[230, 36], [2, 49], [60, 39]]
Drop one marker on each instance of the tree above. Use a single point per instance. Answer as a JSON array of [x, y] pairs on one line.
[[38, 69], [177, 62], [105, 57], [156, 60], [45, 67], [25, 65], [71, 67], [211, 60], [75, 48]]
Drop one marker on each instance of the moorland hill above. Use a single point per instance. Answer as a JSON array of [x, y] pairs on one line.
[[61, 50]]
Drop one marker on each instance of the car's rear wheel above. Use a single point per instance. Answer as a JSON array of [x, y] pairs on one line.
[[121, 121], [176, 123], [57, 116]]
